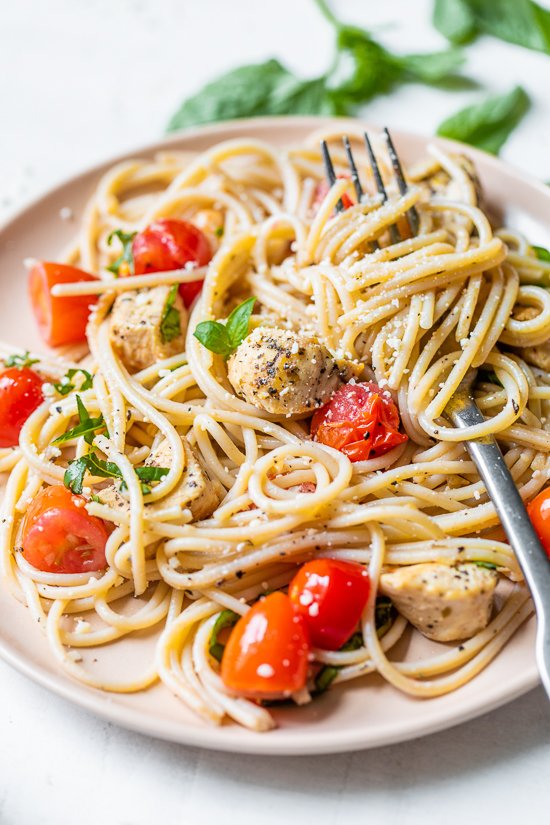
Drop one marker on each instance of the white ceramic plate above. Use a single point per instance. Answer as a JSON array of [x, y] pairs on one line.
[[362, 714]]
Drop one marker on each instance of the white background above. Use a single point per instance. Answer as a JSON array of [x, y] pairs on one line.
[[83, 79]]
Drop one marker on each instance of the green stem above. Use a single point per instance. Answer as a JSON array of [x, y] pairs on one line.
[[323, 7]]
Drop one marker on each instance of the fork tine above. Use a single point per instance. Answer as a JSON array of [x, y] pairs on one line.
[[353, 169], [329, 170], [412, 214], [394, 232]]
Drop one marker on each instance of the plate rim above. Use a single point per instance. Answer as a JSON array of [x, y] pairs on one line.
[[293, 743]]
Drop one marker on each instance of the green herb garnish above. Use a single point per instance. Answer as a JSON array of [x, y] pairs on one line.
[[224, 338], [488, 564], [66, 385], [487, 125], [328, 673], [227, 618], [87, 427], [219, 232], [21, 361], [362, 69], [541, 253], [522, 22], [124, 264], [74, 474], [170, 323]]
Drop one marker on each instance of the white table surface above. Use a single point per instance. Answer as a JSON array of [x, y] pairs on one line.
[[84, 79]]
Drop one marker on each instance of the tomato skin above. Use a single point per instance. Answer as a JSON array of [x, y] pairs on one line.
[[268, 650], [331, 596], [20, 395], [359, 419], [60, 320], [321, 191], [60, 536], [169, 244], [539, 513]]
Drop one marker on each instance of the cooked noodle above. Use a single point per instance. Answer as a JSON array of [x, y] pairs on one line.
[[417, 313]]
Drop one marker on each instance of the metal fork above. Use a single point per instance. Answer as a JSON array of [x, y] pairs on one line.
[[484, 452]]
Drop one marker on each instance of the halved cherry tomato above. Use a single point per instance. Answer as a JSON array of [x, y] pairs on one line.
[[539, 513], [60, 320], [170, 244], [331, 596], [20, 394], [359, 419], [321, 191], [60, 536], [268, 650]]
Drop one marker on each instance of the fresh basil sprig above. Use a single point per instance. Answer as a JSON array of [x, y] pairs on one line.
[[522, 22], [124, 264], [487, 125], [170, 322], [75, 472], [224, 338], [362, 69], [88, 427], [227, 618], [67, 385], [21, 361]]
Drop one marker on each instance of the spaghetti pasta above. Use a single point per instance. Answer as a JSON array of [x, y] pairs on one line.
[[412, 314]]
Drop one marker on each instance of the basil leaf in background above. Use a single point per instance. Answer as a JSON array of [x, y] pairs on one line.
[[87, 427], [303, 97], [227, 618], [124, 264], [521, 22], [21, 361], [362, 70], [239, 321], [374, 70], [541, 253], [487, 125], [434, 67], [66, 385], [170, 323], [214, 337], [243, 92], [455, 20]]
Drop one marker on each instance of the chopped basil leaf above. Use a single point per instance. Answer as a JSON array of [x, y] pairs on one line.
[[487, 125], [66, 385], [219, 232], [21, 361], [87, 427], [170, 323], [327, 674], [74, 475], [384, 615], [227, 618], [223, 339], [124, 264], [541, 253], [488, 564]]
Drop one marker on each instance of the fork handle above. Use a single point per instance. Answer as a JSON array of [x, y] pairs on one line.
[[498, 481]]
